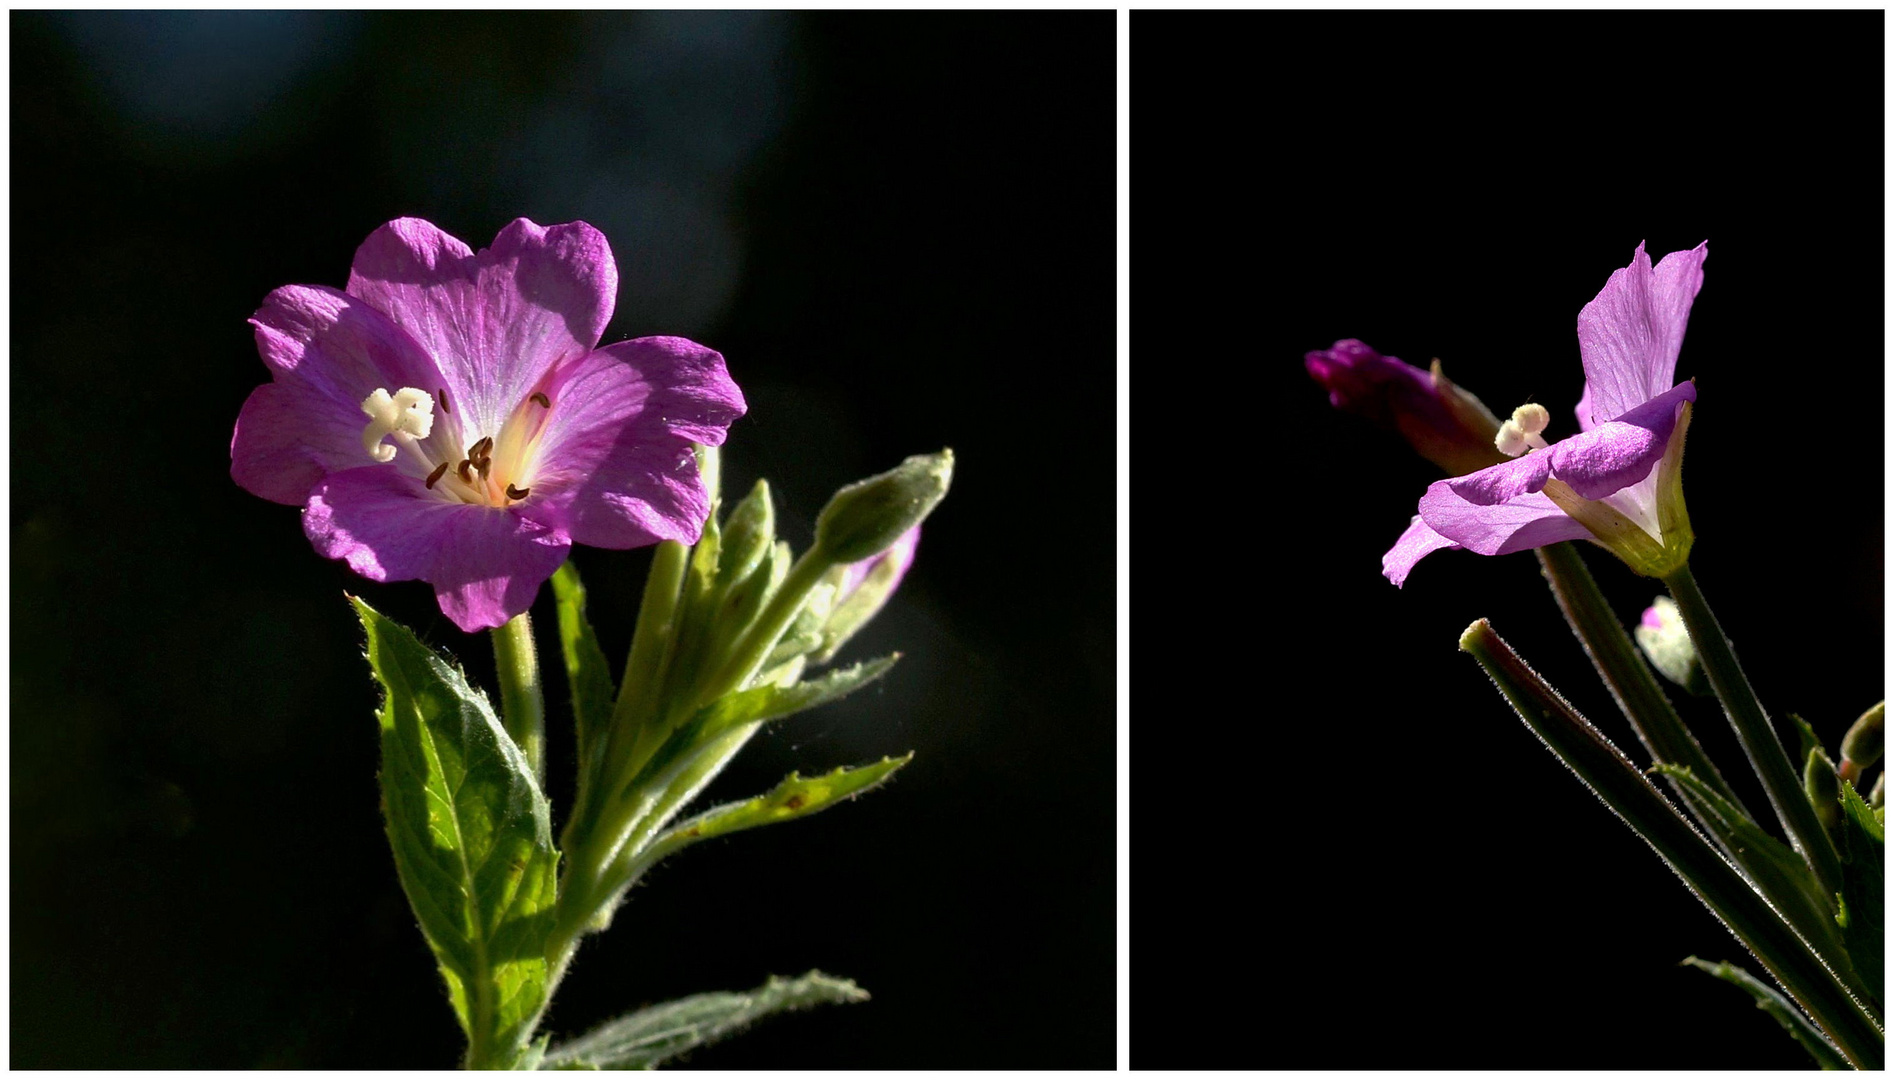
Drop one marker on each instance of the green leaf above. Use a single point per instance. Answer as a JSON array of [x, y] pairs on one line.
[[775, 702], [1864, 884], [1774, 866], [587, 672], [1776, 1005], [649, 1036], [748, 708], [795, 797], [472, 839]]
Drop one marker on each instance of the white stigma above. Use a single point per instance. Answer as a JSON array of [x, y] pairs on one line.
[[407, 411], [1520, 435]]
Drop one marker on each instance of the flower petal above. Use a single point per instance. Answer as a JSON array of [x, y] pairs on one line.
[[1597, 462], [327, 351], [1583, 409], [498, 321], [1415, 544], [485, 564], [1529, 521], [1617, 454], [1508, 481], [1630, 333], [615, 462]]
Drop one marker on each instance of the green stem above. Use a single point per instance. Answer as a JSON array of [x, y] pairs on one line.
[[1630, 795], [522, 703], [1633, 687], [1779, 778]]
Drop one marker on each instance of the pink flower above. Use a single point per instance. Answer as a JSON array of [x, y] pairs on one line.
[[450, 418], [1617, 480]]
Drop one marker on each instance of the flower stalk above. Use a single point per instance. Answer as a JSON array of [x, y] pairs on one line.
[[1639, 697], [1766, 755], [522, 701]]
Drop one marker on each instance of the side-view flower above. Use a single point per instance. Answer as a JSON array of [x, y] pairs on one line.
[[1806, 899], [449, 416], [1616, 481]]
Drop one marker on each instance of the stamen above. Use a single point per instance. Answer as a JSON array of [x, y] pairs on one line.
[[407, 411], [485, 465], [434, 477], [1531, 418], [517, 493], [443, 394], [1510, 441], [466, 472], [481, 449], [544, 401], [1520, 435]]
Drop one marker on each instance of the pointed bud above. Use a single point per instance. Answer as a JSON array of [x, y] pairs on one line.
[[1861, 747], [747, 535], [1824, 792], [866, 518], [1443, 423], [1666, 644]]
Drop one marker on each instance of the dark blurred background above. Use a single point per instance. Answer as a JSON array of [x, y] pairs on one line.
[[899, 231], [1349, 853]]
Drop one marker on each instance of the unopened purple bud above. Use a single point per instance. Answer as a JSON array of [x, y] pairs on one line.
[[1443, 423], [863, 588]]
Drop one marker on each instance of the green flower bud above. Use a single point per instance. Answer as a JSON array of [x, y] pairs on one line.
[[866, 518], [1824, 792], [747, 535]]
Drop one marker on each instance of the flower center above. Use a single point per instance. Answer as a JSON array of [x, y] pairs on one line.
[[1520, 435], [488, 472]]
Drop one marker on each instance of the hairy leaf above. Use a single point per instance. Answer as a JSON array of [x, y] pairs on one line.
[[1776, 1005], [472, 838], [657, 1034], [795, 797]]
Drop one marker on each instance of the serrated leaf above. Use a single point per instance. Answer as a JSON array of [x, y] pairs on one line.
[[472, 838], [1864, 884], [587, 673], [793, 798], [651, 1036], [1774, 866], [1786, 1014]]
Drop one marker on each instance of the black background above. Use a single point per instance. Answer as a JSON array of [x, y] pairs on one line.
[[898, 230], [1348, 853]]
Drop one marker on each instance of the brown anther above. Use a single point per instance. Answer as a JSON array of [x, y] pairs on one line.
[[466, 471], [481, 449], [442, 394], [484, 464], [517, 493], [544, 401], [434, 477]]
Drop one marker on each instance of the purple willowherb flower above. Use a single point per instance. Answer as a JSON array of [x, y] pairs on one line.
[[450, 418], [1617, 481], [1443, 423]]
